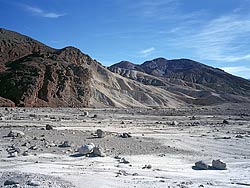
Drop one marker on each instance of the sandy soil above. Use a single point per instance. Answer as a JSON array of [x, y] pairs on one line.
[[168, 149]]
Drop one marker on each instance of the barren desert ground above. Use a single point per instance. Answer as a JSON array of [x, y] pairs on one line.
[[161, 152]]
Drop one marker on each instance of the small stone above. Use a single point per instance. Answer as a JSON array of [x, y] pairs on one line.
[[10, 182], [200, 165], [26, 144], [33, 147], [117, 157], [124, 161], [225, 122], [174, 123], [98, 151], [149, 166], [13, 154], [26, 153], [48, 127], [193, 118], [33, 183], [125, 135], [219, 165], [86, 113], [100, 133], [65, 144], [238, 136]]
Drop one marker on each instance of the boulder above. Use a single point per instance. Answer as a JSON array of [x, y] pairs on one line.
[[201, 165], [49, 127], [100, 133], [86, 149], [219, 165], [98, 151]]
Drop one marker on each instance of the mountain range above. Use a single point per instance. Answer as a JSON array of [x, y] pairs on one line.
[[35, 75]]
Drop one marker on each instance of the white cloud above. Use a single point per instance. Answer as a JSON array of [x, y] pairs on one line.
[[39, 12], [241, 71], [147, 52], [224, 39]]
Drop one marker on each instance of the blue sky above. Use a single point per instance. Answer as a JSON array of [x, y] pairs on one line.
[[214, 32]]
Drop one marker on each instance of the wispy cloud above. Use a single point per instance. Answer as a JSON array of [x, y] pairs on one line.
[[146, 52], [40, 12], [242, 71], [221, 39]]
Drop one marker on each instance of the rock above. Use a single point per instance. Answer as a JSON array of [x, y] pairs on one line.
[[117, 157], [13, 154], [149, 166], [65, 144], [225, 122], [95, 116], [98, 151], [26, 153], [10, 182], [125, 135], [49, 127], [200, 165], [33, 147], [26, 144], [86, 149], [124, 161], [33, 183], [86, 113], [174, 123], [15, 133], [122, 173], [13, 151], [193, 118], [219, 165], [100, 133], [238, 136]]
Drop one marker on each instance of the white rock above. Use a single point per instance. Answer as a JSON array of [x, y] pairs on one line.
[[86, 149]]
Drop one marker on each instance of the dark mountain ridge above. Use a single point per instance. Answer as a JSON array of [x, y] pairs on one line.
[[35, 75], [192, 73]]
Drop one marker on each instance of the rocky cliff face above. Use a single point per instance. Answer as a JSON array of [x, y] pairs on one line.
[[33, 74]]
